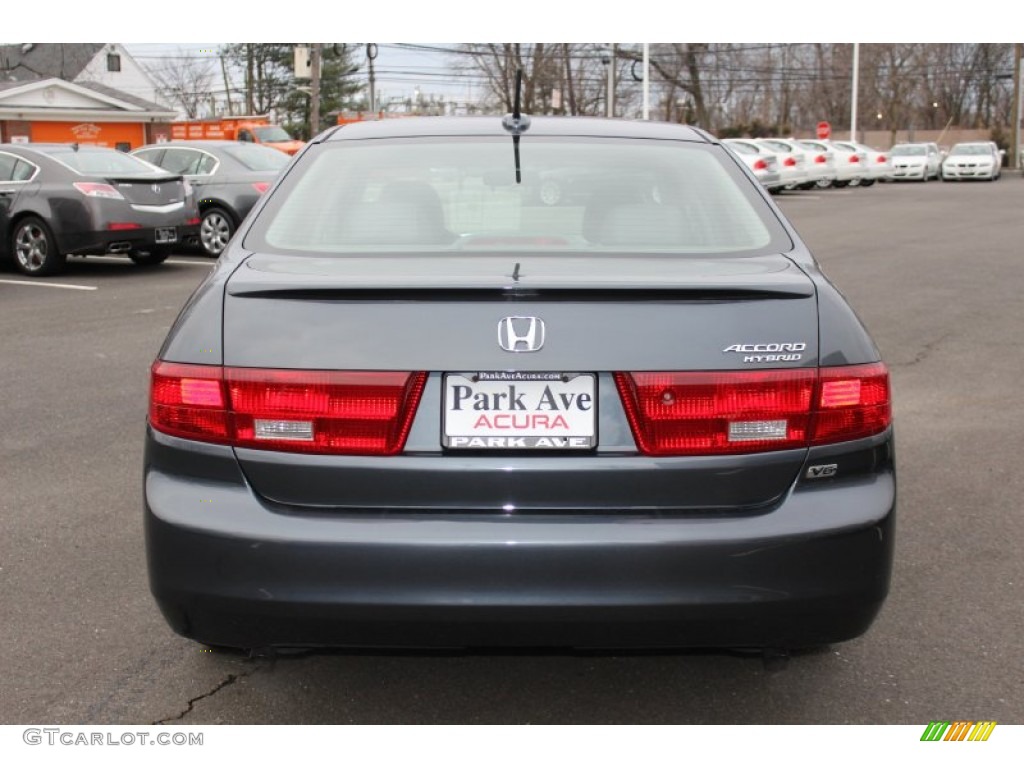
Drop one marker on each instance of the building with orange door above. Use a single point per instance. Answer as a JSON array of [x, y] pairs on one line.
[[53, 92]]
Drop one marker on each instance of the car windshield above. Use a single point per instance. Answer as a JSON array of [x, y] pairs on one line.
[[257, 158], [971, 149], [448, 194], [908, 151], [271, 133], [94, 160], [778, 146]]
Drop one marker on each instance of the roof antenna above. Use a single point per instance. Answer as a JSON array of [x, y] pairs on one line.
[[517, 124]]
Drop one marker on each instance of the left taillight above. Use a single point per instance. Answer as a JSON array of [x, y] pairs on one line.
[[326, 412], [727, 412], [95, 189], [760, 165], [261, 186]]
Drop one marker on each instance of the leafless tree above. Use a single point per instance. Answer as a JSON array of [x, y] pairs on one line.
[[186, 81]]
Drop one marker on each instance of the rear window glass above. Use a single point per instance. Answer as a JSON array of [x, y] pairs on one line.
[[99, 161], [257, 158], [449, 194]]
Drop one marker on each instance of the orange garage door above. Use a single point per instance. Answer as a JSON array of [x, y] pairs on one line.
[[114, 135]]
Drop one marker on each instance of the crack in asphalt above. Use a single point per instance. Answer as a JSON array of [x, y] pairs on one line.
[[229, 680], [924, 352]]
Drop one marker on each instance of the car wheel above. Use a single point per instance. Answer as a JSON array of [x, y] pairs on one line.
[[855, 182], [867, 182], [35, 249], [215, 230], [807, 185], [840, 184], [823, 183], [149, 258], [550, 192]]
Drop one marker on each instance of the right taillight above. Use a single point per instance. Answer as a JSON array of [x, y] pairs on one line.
[[852, 401], [728, 412], [789, 162], [760, 165], [326, 412]]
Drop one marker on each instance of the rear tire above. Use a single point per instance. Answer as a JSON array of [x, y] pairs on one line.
[[215, 229], [867, 182], [840, 184], [824, 183], [34, 249]]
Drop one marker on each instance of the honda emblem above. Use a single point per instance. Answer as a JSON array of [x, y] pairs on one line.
[[521, 334]]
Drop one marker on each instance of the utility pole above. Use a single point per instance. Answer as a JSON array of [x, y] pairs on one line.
[[647, 81], [250, 103], [314, 91], [611, 80], [1015, 142], [371, 54]]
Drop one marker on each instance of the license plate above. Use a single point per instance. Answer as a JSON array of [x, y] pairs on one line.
[[166, 235], [508, 411]]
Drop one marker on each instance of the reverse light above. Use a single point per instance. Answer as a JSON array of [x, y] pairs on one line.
[[724, 412], [327, 412], [95, 189]]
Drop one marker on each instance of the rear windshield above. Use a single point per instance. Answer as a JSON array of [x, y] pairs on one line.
[[458, 194], [908, 151], [257, 158], [91, 160]]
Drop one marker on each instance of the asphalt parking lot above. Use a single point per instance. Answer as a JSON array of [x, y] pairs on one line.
[[936, 272]]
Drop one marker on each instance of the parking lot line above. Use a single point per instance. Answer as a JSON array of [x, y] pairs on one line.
[[40, 284]]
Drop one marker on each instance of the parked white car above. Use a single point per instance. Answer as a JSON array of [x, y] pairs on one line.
[[878, 165], [920, 161], [762, 163], [822, 159], [972, 160], [792, 162]]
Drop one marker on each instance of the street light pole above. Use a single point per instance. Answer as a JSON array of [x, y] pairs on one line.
[[853, 95], [647, 81]]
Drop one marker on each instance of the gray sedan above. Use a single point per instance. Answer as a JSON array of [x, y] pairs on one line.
[[414, 406], [228, 178]]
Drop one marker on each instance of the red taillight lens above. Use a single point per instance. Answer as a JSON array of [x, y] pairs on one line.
[[188, 401], [93, 189], [853, 402], [760, 165], [192, 222], [713, 412], [881, 159], [261, 186], [120, 226], [723, 412], [820, 159], [790, 161], [854, 159], [332, 412]]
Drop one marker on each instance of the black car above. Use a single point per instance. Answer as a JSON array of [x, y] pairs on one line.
[[58, 200], [228, 178], [415, 406]]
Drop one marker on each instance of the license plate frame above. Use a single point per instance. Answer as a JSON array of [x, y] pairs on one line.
[[506, 411], [166, 235]]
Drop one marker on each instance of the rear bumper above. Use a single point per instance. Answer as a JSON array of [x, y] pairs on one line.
[[226, 569], [125, 241]]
